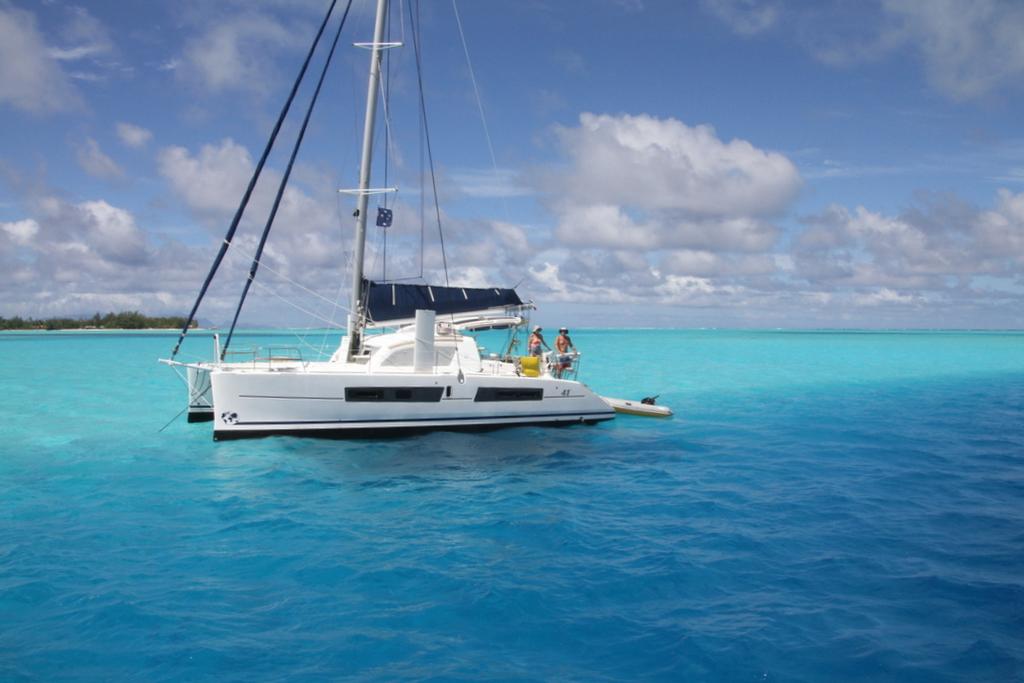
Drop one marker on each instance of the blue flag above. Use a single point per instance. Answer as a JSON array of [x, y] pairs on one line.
[[383, 217]]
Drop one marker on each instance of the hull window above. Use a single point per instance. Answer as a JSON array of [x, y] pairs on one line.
[[393, 394], [508, 394]]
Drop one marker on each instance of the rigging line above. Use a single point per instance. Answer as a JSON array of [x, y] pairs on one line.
[[330, 323], [405, 279], [173, 419], [284, 180], [433, 176], [430, 154], [384, 85], [413, 30], [341, 285], [252, 182], [479, 104], [401, 21], [323, 340], [301, 339], [385, 98], [389, 141], [376, 253], [292, 282]]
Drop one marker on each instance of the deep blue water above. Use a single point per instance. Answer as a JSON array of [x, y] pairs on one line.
[[823, 507]]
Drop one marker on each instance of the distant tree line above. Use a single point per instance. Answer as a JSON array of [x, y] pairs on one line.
[[127, 320]]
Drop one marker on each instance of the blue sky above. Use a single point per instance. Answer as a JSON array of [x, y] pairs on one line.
[[727, 163]]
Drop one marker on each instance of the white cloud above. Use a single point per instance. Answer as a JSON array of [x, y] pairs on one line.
[[84, 35], [571, 62], [30, 78], [211, 182], [490, 183], [102, 234], [943, 247], [609, 226], [132, 135], [664, 164], [655, 210], [305, 244], [745, 17], [112, 232], [94, 162], [513, 238], [630, 5], [21, 232], [883, 297], [710, 264], [850, 266], [85, 43], [237, 53], [1000, 231], [690, 290], [642, 183], [676, 233], [72, 54], [967, 49], [72, 258]]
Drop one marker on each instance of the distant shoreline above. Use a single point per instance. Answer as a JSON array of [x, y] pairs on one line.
[[123, 321], [109, 329], [695, 330]]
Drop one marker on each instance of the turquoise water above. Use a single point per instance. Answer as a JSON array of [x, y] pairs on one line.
[[823, 507]]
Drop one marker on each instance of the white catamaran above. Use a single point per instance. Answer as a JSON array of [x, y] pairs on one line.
[[428, 373]]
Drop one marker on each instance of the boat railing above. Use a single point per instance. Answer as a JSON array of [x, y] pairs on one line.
[[563, 365], [237, 356], [259, 356], [288, 355], [553, 364]]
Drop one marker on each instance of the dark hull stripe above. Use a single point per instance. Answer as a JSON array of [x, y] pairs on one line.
[[341, 398], [403, 430], [295, 398], [573, 415]]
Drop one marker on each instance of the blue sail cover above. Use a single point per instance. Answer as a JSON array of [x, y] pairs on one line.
[[390, 301]]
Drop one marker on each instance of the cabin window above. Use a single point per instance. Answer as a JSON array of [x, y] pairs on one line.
[[400, 357], [443, 355], [508, 394], [393, 394]]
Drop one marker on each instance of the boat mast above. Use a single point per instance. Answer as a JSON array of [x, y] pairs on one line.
[[357, 316]]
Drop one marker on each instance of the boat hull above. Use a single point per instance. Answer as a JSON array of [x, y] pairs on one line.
[[338, 404]]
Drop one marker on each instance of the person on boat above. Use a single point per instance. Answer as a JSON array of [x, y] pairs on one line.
[[562, 344], [535, 342]]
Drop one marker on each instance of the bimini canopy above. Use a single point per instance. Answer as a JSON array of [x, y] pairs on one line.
[[391, 301]]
